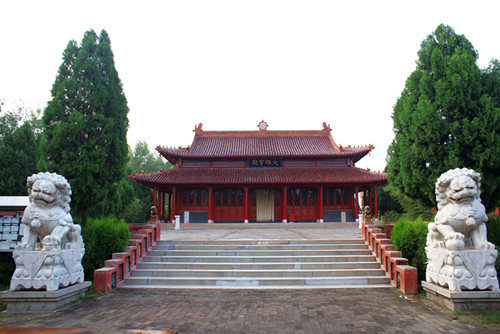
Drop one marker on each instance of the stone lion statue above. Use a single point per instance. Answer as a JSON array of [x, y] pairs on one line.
[[367, 214], [153, 214], [47, 216], [461, 217]]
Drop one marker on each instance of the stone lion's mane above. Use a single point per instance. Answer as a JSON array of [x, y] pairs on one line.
[[445, 179], [59, 182]]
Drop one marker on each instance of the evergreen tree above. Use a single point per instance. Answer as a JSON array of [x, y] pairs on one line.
[[446, 117], [19, 154], [85, 126], [141, 161], [8, 123]]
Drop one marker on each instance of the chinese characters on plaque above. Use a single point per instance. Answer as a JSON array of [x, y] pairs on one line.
[[264, 162]]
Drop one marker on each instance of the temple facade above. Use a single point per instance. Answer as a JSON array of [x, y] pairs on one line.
[[263, 176]]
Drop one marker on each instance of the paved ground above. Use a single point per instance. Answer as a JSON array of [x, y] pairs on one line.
[[254, 311], [261, 231]]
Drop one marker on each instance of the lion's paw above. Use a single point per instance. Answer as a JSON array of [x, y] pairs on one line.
[[51, 242], [486, 245], [25, 246], [455, 241], [36, 223], [439, 244]]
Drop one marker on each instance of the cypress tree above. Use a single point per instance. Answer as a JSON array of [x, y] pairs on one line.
[[18, 159], [85, 126], [446, 117]]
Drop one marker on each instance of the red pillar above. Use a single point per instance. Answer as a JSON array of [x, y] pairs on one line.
[[320, 204], [210, 205], [375, 215], [162, 206], [169, 212], [356, 203], [284, 203], [245, 205], [154, 196], [174, 204], [158, 208], [353, 205], [370, 200]]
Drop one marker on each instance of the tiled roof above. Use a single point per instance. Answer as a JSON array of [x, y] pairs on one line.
[[241, 144], [255, 176]]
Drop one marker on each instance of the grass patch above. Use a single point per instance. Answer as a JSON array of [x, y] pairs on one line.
[[91, 294], [490, 318], [3, 305]]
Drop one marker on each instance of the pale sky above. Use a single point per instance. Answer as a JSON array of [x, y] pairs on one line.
[[231, 64]]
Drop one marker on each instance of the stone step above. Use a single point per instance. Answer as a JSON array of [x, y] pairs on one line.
[[259, 264], [259, 247], [253, 259], [243, 282], [257, 273], [263, 265], [262, 242], [259, 253]]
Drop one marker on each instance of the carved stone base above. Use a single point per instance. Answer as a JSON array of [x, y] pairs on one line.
[[43, 301], [465, 269], [462, 301], [47, 270]]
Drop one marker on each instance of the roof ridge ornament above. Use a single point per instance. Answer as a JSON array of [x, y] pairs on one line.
[[198, 129], [326, 127], [262, 125]]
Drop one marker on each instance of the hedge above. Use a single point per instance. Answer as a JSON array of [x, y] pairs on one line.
[[410, 238], [102, 238]]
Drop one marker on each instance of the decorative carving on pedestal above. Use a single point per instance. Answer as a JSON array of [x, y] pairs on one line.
[[458, 251], [47, 270], [469, 269], [52, 248]]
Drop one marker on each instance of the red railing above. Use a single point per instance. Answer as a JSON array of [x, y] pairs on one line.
[[402, 275], [142, 238]]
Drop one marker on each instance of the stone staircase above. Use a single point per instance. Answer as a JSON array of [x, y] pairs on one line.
[[259, 264]]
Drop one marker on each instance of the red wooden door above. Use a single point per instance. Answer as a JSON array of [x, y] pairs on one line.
[[301, 203], [228, 204]]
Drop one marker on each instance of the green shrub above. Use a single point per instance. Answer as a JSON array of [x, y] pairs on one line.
[[410, 238], [493, 227], [390, 216], [102, 237], [137, 211], [7, 267]]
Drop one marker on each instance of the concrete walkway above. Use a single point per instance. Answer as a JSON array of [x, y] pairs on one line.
[[254, 311], [275, 231]]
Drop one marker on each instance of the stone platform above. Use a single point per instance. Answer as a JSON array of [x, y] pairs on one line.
[[41, 301], [261, 231], [464, 300]]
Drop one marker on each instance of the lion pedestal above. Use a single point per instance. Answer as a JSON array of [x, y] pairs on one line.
[[46, 270], [51, 250], [459, 254]]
